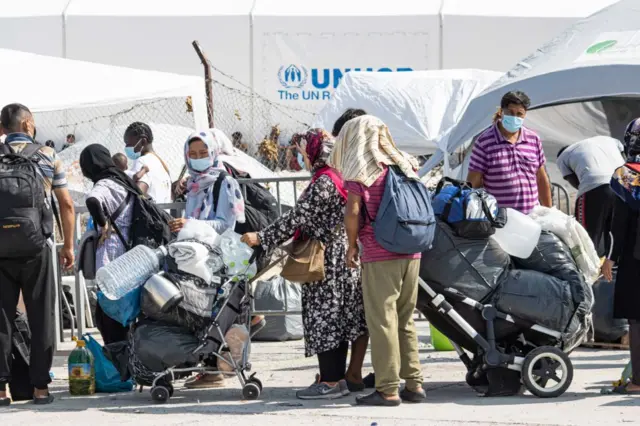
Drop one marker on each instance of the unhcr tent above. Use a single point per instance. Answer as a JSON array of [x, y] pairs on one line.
[[582, 83], [418, 107]]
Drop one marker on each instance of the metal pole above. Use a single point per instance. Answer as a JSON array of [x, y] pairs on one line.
[[208, 81]]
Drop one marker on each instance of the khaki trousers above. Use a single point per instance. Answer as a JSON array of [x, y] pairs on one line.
[[390, 291]]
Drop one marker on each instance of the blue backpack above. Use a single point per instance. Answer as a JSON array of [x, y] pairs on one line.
[[405, 223], [472, 213]]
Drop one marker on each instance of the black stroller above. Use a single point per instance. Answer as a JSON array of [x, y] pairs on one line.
[[501, 350]]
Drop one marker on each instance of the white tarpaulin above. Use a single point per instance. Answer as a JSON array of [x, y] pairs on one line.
[[583, 83], [418, 107], [46, 83], [252, 39]]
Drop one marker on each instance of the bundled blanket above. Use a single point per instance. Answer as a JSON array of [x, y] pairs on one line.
[[574, 236]]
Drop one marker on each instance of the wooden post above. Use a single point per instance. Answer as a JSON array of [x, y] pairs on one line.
[[208, 81]]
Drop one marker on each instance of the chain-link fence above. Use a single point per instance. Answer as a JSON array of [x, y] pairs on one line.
[[260, 127], [171, 121]]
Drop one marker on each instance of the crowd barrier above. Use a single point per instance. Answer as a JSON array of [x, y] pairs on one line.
[[82, 288]]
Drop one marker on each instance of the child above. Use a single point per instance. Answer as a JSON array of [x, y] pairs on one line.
[[121, 162]]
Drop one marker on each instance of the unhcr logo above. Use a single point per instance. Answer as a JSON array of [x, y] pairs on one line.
[[293, 76]]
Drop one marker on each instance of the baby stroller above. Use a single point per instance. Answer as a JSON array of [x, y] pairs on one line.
[[203, 351], [505, 350]]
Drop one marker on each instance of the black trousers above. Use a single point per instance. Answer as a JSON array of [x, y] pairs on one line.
[[333, 363], [594, 211], [110, 330], [634, 346], [34, 276]]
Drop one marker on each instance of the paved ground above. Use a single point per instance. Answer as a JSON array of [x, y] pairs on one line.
[[283, 369]]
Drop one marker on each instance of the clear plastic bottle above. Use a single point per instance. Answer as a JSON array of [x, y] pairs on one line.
[[129, 271], [236, 255]]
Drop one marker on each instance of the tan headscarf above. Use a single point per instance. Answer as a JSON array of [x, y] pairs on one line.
[[363, 147]]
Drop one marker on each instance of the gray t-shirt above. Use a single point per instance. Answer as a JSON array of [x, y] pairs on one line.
[[592, 160]]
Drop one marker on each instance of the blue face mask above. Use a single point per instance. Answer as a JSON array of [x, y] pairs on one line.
[[200, 164], [511, 123], [301, 161], [130, 152]]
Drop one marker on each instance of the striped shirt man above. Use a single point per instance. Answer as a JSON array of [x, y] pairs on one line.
[[509, 170], [49, 164]]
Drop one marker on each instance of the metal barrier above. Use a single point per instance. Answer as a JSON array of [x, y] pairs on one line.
[[177, 210], [559, 195]]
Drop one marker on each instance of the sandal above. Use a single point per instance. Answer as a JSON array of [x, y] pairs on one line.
[[43, 400], [622, 390], [257, 327]]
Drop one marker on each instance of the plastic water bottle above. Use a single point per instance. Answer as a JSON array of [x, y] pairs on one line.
[[129, 271]]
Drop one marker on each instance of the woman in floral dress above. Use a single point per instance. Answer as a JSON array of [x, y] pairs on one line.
[[332, 309]]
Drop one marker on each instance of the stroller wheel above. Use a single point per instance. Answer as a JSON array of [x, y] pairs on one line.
[[161, 394], [253, 379], [547, 372], [251, 391]]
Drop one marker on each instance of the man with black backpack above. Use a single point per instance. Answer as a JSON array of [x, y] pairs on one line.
[[29, 172]]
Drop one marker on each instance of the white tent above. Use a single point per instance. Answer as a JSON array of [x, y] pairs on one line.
[[96, 102], [583, 83], [75, 96], [418, 107]]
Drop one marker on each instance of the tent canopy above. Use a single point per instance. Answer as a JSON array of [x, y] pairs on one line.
[[46, 83], [418, 107], [582, 83]]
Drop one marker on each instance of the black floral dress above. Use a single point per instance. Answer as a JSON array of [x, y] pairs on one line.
[[332, 309]]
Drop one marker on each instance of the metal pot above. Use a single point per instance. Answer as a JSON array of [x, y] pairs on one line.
[[163, 292]]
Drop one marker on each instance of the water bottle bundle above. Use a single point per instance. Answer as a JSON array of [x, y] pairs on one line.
[[174, 275]]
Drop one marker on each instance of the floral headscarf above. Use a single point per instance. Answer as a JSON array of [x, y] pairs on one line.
[[631, 141], [200, 185], [319, 146]]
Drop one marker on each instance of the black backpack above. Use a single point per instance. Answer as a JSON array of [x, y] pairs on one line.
[[26, 215], [149, 223], [260, 206]]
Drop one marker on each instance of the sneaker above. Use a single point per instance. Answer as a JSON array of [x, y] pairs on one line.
[[205, 381], [324, 391]]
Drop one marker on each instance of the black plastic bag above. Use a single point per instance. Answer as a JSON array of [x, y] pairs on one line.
[[269, 296], [176, 316], [607, 328], [474, 268], [20, 384], [159, 346], [552, 257], [536, 297]]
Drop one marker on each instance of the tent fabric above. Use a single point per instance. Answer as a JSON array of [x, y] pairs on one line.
[[595, 61], [46, 83], [418, 107]]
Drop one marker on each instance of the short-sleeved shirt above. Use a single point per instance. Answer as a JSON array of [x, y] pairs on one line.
[[49, 164], [371, 197], [509, 170], [592, 160], [157, 178]]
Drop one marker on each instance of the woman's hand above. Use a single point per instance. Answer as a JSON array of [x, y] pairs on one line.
[[607, 270], [177, 224], [251, 239], [353, 257]]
